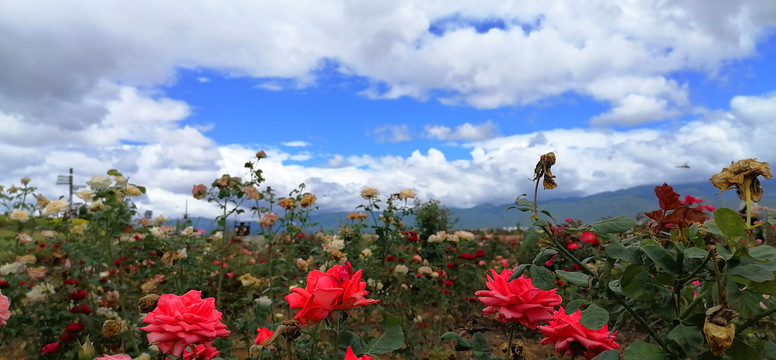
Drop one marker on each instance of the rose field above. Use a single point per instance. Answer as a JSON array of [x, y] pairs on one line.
[[397, 281]]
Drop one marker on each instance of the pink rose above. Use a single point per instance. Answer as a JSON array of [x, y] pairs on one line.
[[180, 321], [565, 330], [517, 300], [349, 355], [204, 352], [5, 305], [114, 357], [337, 288]]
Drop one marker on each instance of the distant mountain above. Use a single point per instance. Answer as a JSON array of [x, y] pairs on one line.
[[627, 202]]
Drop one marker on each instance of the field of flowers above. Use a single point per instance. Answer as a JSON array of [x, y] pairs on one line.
[[101, 282]]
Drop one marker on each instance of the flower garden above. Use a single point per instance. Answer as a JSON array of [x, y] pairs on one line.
[[686, 281]]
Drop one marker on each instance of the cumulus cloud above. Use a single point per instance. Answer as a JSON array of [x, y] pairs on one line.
[[484, 54], [466, 132], [392, 133]]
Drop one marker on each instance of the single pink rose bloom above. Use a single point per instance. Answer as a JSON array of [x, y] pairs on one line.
[[180, 321], [517, 300], [565, 330]]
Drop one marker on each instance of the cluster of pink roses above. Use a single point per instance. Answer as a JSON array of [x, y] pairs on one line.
[[520, 301]]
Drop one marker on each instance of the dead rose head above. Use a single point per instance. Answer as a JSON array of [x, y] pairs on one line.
[[180, 321], [741, 175], [570, 337], [336, 289], [543, 171], [517, 300]]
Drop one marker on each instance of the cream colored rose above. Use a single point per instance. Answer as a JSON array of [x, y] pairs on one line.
[[55, 207], [20, 215]]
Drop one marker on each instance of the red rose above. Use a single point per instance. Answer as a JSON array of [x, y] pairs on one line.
[[50, 348], [448, 282], [180, 321], [66, 337], [349, 355], [79, 295], [517, 300], [450, 265], [565, 330], [589, 238], [573, 245], [70, 282], [479, 253], [263, 335], [74, 328], [81, 309], [337, 288]]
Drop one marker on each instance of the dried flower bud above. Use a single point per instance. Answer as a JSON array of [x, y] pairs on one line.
[[718, 328], [148, 303]]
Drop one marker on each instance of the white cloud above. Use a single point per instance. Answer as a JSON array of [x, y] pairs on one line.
[[392, 133], [466, 132], [589, 161], [296, 143], [139, 45]]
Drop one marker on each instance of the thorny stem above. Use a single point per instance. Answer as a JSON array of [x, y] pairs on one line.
[[616, 297]]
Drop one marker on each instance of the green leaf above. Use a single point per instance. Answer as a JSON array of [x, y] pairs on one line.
[[689, 338], [742, 351], [662, 258], [711, 227], [757, 272], [640, 350], [636, 283], [576, 278], [729, 222], [480, 343], [528, 246], [114, 172], [608, 355], [594, 317], [518, 271], [766, 287], [616, 250], [141, 188], [461, 341], [695, 253], [545, 212], [542, 278], [391, 340], [770, 350], [574, 305], [724, 252], [544, 255], [763, 252], [349, 338], [616, 225]]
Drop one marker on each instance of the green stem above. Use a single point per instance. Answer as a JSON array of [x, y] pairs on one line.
[[695, 302], [755, 319], [536, 194], [509, 345]]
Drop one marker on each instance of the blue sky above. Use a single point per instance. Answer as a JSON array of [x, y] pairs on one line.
[[454, 99]]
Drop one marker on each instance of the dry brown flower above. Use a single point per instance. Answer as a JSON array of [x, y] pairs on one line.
[[543, 171], [111, 328], [148, 303], [741, 175]]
